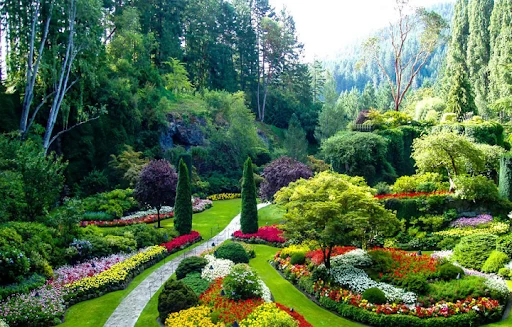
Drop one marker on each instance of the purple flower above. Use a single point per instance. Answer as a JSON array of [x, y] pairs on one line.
[[471, 222]]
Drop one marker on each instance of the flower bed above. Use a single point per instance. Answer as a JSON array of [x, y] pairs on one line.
[[265, 234], [471, 222], [405, 263], [182, 242], [317, 256], [409, 195], [496, 228], [297, 316], [224, 196]]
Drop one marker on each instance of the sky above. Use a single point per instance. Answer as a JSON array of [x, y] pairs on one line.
[[326, 26]]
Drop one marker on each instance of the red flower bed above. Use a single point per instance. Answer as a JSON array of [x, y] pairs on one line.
[[405, 263], [409, 195], [295, 315], [229, 310], [126, 222], [317, 256], [182, 241], [267, 233]]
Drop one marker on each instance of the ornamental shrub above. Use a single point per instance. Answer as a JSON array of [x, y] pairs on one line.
[[475, 188], [415, 283], [504, 272], [473, 250], [426, 182], [495, 261], [298, 259], [249, 214], [25, 286], [15, 265], [504, 244], [232, 251], [268, 315], [242, 283], [121, 243], [190, 265], [175, 296], [196, 283], [183, 203], [448, 271], [375, 296], [505, 176]]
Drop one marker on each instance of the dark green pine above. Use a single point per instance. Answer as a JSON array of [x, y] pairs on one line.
[[249, 215], [183, 205]]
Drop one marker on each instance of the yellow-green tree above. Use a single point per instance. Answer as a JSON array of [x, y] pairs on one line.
[[334, 209]]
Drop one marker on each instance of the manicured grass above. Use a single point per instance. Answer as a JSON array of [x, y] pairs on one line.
[[96, 312], [284, 292], [150, 313], [270, 215]]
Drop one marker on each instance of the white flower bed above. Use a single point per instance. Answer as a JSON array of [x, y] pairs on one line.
[[446, 254], [144, 213], [356, 258], [358, 281], [265, 291], [497, 283], [216, 268]]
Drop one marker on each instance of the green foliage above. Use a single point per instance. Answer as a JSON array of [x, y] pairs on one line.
[[460, 96], [426, 182], [415, 283], [242, 283], [382, 188], [505, 176], [449, 117], [381, 261], [331, 210], [476, 188], [129, 163], [196, 283], [457, 289], [473, 250], [388, 119], [174, 297], [17, 265], [399, 148], [359, 154], [115, 203], [374, 295], [183, 204], [298, 259], [490, 133], [95, 182], [120, 243], [144, 234], [249, 214], [448, 271], [495, 262], [295, 142], [504, 244], [190, 265], [25, 286], [232, 251]]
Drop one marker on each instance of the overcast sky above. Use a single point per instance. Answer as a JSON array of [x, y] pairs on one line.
[[325, 26]]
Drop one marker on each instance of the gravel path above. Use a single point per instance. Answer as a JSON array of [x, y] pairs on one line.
[[129, 310]]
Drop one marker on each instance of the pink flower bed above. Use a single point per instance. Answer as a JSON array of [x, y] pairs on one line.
[[267, 233], [125, 222], [69, 274], [182, 241]]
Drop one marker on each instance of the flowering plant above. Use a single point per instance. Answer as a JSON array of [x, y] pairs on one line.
[[317, 256], [297, 316], [268, 314], [409, 195], [356, 258], [216, 268], [405, 263], [182, 241], [496, 228], [471, 222], [270, 234], [192, 317], [224, 196]]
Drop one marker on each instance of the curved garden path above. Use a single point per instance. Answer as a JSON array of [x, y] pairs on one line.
[[127, 313]]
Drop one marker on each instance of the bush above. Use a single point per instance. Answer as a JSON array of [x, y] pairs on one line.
[[375, 296], [415, 283], [232, 251], [121, 243], [17, 265], [426, 182], [475, 188], [448, 271], [298, 259], [382, 188], [504, 244], [98, 215], [504, 272], [115, 203], [196, 283], [382, 261], [268, 315], [456, 289], [175, 296], [495, 261], [190, 265], [25, 286], [242, 283], [473, 250], [249, 249]]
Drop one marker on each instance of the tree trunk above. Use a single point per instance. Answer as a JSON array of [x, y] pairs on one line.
[[158, 216]]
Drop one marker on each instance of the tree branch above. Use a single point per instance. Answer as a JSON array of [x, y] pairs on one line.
[[70, 128], [34, 114]]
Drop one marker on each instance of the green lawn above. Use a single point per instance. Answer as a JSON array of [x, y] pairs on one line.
[[148, 316], [284, 292], [270, 215], [96, 312]]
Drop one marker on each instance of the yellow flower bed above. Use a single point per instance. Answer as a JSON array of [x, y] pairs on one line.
[[193, 317], [224, 196], [268, 315], [118, 273], [493, 228], [295, 248]]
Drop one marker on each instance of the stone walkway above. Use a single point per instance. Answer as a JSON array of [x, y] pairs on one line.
[[129, 310]]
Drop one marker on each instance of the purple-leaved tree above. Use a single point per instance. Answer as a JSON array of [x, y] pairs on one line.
[[156, 186], [281, 172]]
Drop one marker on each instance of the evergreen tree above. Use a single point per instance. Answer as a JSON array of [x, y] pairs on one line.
[[479, 14], [249, 215], [367, 99], [295, 142], [460, 98], [183, 203], [501, 50], [459, 40]]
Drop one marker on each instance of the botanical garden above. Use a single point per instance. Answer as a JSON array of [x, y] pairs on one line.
[[186, 163]]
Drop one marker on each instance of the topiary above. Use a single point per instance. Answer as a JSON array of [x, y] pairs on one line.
[[175, 296], [232, 251], [473, 250], [448, 271], [504, 244], [375, 296], [495, 261], [298, 259], [190, 265]]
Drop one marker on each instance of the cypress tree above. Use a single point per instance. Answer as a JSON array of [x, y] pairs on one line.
[[187, 158], [479, 14], [183, 206], [249, 215], [505, 177], [460, 98]]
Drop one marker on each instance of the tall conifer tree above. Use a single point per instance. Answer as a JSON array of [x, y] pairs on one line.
[[249, 215], [183, 206], [460, 98]]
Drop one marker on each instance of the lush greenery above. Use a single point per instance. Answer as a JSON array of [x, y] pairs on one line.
[[249, 214], [183, 208]]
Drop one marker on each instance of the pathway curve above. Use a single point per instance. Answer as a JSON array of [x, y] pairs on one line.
[[129, 310]]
